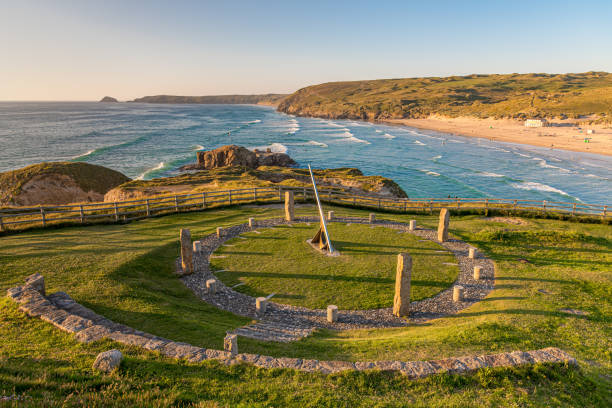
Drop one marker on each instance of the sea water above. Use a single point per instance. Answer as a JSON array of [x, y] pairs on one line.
[[149, 140]]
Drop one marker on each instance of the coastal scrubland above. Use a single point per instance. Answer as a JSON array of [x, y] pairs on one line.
[[516, 96], [553, 288]]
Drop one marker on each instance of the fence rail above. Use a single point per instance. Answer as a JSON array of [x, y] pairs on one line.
[[120, 211]]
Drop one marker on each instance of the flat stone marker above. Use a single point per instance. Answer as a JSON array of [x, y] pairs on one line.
[[401, 300], [443, 225], [219, 232], [186, 251], [197, 246], [37, 282], [289, 206], [108, 361], [472, 253], [477, 270], [330, 215], [211, 286], [261, 304], [372, 218], [332, 313], [412, 225], [230, 343], [457, 293], [251, 223]]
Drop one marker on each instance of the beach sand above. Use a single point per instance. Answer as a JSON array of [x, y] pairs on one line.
[[563, 134]]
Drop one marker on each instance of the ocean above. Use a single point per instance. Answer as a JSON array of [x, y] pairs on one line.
[[148, 140]]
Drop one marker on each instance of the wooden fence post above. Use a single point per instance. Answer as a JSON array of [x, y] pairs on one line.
[[148, 208], [486, 203], [280, 194], [116, 212], [430, 206], [230, 197], [514, 204], [1, 224], [544, 206], [254, 194], [405, 205], [81, 213], [379, 203], [42, 217], [175, 203], [574, 209], [204, 200], [458, 200], [605, 210], [305, 196]]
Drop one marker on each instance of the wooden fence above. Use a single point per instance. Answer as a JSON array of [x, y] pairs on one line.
[[22, 217]]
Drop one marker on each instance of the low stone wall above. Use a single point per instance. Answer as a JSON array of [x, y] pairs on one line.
[[63, 312]]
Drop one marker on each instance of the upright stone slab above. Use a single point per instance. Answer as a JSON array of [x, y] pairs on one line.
[[472, 253], [477, 270], [261, 304], [412, 225], [230, 343], [330, 215], [211, 286], [332, 313], [372, 218], [443, 225], [289, 206], [219, 232], [457, 293], [401, 300], [186, 251], [251, 223], [197, 246]]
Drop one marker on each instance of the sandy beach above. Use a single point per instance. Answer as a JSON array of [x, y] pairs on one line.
[[564, 135]]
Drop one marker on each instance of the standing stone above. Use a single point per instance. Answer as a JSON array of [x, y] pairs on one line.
[[372, 218], [332, 313], [230, 343], [251, 223], [108, 361], [219, 232], [211, 286], [197, 246], [186, 251], [37, 282], [261, 304], [401, 300], [457, 293], [443, 225], [289, 206], [477, 270], [472, 253], [330, 215], [412, 225]]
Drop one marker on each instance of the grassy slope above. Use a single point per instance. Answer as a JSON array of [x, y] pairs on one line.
[[124, 272], [498, 96], [280, 261], [89, 177]]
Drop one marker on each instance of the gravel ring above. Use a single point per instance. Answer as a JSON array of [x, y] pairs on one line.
[[421, 311]]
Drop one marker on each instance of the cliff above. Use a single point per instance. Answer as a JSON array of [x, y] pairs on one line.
[[266, 99], [57, 183], [234, 177], [516, 96]]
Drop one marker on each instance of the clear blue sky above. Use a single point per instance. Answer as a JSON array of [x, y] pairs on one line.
[[83, 50]]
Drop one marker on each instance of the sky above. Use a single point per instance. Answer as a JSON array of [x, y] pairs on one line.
[[85, 49]]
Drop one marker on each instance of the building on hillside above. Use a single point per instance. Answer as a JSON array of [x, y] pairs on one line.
[[536, 123]]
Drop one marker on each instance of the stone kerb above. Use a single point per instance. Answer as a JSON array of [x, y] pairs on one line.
[[63, 312]]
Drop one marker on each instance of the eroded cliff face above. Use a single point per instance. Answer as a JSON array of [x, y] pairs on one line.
[[50, 189]]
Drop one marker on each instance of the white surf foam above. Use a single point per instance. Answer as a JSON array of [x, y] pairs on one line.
[[254, 121], [436, 157], [80, 156], [419, 143], [144, 173], [535, 186], [347, 136], [429, 172], [315, 143], [198, 147], [274, 148], [487, 174], [378, 131], [388, 136]]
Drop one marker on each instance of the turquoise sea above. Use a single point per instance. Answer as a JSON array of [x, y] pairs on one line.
[[149, 140]]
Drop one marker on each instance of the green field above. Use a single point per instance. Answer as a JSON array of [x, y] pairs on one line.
[[280, 261], [125, 272], [517, 96]]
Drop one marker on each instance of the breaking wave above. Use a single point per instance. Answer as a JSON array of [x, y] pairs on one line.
[[274, 147], [535, 186], [151, 170]]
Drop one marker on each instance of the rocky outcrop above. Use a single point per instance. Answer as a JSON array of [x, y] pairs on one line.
[[57, 183], [108, 99], [232, 155]]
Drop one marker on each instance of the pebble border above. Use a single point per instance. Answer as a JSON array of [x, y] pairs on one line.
[[63, 312], [281, 315]]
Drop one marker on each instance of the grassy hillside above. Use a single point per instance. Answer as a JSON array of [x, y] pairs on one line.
[[89, 177], [125, 272], [222, 99], [516, 96]]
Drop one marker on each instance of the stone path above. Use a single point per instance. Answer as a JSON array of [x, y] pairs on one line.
[[303, 320], [273, 331], [63, 312]]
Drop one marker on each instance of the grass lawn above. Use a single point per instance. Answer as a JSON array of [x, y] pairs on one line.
[[279, 260], [125, 273]]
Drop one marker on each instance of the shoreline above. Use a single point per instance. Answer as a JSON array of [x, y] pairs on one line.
[[562, 135]]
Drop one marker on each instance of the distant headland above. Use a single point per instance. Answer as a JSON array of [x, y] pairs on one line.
[[265, 99], [108, 99]]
